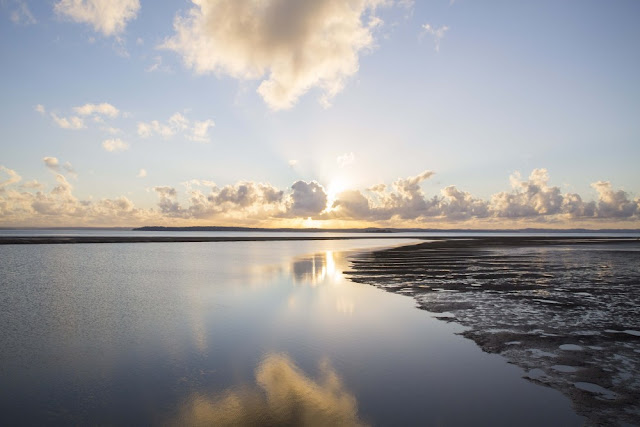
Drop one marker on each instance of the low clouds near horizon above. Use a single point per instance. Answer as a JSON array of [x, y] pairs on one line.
[[532, 200]]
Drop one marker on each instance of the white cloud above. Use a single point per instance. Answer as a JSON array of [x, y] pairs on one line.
[[72, 122], [114, 145], [158, 65], [142, 173], [54, 164], [436, 33], [40, 109], [195, 131], [108, 17], [11, 177], [292, 46], [293, 162], [530, 201], [346, 159], [200, 131], [21, 13], [614, 204], [103, 109], [32, 185]]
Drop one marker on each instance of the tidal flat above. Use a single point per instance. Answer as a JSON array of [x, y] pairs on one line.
[[565, 310]]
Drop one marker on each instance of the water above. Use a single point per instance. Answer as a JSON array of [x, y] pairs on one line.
[[266, 332]]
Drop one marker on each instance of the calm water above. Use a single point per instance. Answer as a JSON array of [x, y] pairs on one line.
[[267, 332]]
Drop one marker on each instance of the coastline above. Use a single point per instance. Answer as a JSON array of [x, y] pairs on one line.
[[437, 241], [563, 309]]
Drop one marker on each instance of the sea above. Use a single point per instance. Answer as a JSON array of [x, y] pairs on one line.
[[247, 332]]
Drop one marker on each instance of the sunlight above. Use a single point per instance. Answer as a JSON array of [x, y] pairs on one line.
[[336, 186]]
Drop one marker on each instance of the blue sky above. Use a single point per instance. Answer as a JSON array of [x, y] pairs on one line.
[[340, 96]]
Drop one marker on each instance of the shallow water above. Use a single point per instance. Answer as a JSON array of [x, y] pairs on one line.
[[567, 312], [267, 332]]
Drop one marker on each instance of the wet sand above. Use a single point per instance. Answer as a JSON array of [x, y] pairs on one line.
[[566, 310]]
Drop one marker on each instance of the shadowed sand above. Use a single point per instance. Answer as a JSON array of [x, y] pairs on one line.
[[567, 310]]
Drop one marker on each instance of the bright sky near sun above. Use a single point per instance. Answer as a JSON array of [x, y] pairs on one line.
[[320, 112]]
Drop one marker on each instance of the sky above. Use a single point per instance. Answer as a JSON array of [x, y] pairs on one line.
[[320, 113]]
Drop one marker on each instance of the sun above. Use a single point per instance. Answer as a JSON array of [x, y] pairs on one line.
[[335, 187]]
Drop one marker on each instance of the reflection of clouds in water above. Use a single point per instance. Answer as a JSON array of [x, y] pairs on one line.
[[316, 269], [345, 306], [284, 395]]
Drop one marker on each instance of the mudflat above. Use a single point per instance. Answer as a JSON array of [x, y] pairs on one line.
[[566, 310]]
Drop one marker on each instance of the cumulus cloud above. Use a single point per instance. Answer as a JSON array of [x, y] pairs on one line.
[[404, 203], [108, 17], [292, 46], [292, 162], [32, 185], [103, 109], [40, 109], [72, 122], [142, 173], [614, 204], [346, 159], [436, 32], [195, 131], [114, 145], [308, 199]]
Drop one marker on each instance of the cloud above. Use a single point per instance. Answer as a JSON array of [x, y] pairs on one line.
[[114, 145], [40, 109], [11, 177], [308, 199], [346, 159], [21, 13], [103, 109], [54, 165], [72, 122], [614, 204], [142, 173], [436, 33], [200, 131], [108, 17], [404, 203], [32, 185], [158, 66], [292, 46], [292, 162], [197, 131], [283, 395]]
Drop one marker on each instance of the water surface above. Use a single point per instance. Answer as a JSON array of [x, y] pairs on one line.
[[237, 332]]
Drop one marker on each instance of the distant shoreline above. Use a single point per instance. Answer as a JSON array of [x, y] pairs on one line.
[[341, 230], [458, 241]]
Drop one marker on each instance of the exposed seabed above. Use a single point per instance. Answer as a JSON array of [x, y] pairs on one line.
[[565, 310]]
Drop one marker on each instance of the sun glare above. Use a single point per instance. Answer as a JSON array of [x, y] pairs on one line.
[[337, 186]]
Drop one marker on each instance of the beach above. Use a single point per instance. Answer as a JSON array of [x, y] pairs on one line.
[[565, 310]]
